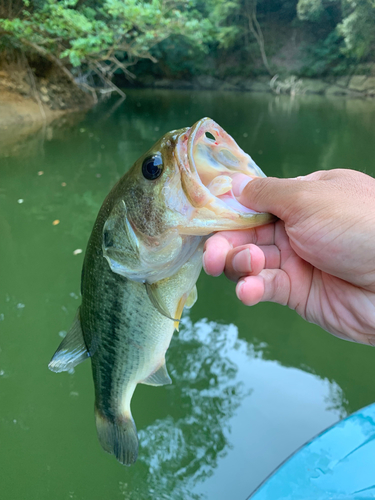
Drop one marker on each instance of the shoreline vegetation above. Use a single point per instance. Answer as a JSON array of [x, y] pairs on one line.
[[65, 55], [22, 105]]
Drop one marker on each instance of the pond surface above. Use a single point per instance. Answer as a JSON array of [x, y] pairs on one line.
[[250, 385]]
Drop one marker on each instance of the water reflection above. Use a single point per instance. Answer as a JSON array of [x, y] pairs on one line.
[[283, 104], [25, 140], [214, 374], [244, 396], [183, 448]]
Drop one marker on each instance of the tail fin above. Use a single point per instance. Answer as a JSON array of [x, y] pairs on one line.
[[118, 437]]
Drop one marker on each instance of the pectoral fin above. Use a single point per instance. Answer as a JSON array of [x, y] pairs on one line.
[[192, 298], [160, 377], [158, 301], [187, 302], [72, 349]]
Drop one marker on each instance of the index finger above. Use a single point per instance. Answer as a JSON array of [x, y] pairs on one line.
[[217, 246], [261, 235]]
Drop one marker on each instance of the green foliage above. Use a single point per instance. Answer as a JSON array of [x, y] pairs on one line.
[[187, 37], [115, 33], [358, 28], [326, 57], [310, 10], [355, 28]]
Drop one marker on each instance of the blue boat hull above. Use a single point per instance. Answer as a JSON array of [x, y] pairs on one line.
[[337, 464]]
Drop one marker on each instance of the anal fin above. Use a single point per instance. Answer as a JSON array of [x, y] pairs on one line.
[[72, 349], [159, 377]]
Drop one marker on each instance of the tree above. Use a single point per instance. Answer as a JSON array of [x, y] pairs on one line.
[[256, 31], [104, 37], [356, 25]]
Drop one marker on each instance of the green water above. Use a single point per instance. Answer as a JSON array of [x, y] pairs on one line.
[[249, 385]]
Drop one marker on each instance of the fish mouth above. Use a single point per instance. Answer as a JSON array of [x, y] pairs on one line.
[[208, 159]]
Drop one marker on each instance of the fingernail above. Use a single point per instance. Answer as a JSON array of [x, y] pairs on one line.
[[239, 182], [242, 262], [239, 288]]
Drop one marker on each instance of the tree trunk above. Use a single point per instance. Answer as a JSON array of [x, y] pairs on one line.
[[256, 31]]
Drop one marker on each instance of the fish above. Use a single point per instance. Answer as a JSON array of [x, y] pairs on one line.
[[141, 265]]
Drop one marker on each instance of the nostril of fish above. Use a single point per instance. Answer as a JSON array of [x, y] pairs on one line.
[[210, 136]]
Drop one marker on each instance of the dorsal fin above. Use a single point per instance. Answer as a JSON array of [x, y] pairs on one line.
[[160, 377], [72, 349], [157, 300]]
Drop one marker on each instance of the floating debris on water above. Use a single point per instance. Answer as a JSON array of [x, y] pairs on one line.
[[82, 130], [20, 200], [98, 175], [62, 333], [245, 134], [63, 184], [40, 172], [2, 372], [55, 222], [77, 251], [2, 317], [74, 393], [20, 305], [74, 295]]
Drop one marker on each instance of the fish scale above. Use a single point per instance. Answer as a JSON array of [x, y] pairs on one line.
[[142, 261], [139, 334]]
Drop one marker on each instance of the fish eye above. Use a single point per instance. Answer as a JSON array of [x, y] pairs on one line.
[[152, 167]]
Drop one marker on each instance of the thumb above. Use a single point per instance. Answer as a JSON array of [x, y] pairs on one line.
[[273, 195]]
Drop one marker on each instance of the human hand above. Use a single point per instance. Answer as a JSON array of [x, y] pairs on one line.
[[318, 259]]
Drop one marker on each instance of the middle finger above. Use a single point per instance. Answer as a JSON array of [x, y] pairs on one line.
[[250, 260]]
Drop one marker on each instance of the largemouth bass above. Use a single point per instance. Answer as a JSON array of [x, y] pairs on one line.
[[142, 261]]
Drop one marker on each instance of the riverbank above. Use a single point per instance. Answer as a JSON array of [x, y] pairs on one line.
[[26, 98], [350, 86], [29, 103]]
